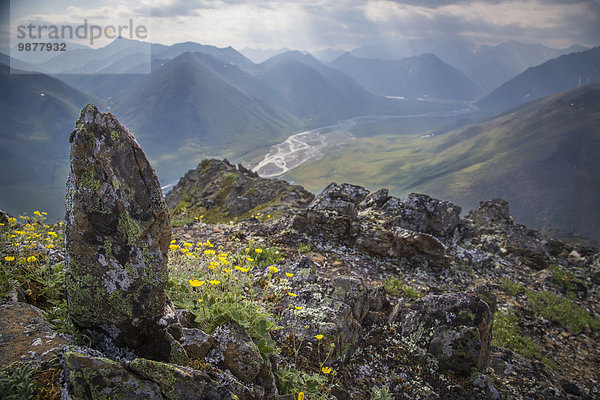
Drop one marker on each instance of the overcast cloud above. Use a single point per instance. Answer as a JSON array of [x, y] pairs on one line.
[[342, 24]]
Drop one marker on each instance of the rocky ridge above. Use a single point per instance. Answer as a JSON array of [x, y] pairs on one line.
[[351, 294], [220, 191]]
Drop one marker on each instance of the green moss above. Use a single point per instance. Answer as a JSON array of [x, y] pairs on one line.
[[129, 227], [89, 181], [511, 287], [116, 184], [120, 304], [115, 136], [107, 247], [397, 287]]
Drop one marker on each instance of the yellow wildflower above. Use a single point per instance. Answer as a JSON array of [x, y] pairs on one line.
[[326, 370], [273, 269], [52, 233], [298, 308], [228, 271], [39, 214], [241, 268], [258, 250], [31, 259], [250, 259], [174, 247], [300, 395], [9, 258], [196, 283], [44, 213], [185, 251], [188, 245], [214, 282], [319, 337], [208, 243], [292, 294], [49, 246], [12, 220], [289, 274], [200, 300], [173, 241], [209, 252]]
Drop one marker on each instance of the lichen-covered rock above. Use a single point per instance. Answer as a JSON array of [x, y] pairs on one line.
[[332, 213], [238, 352], [95, 377], [490, 214], [334, 308], [492, 218], [25, 335], [89, 375], [196, 343], [379, 224], [455, 328], [117, 239], [401, 243], [421, 213]]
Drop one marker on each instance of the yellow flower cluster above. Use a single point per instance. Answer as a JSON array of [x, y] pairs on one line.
[[29, 238]]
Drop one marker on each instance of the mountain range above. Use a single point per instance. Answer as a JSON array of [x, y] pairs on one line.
[[487, 66], [423, 76]]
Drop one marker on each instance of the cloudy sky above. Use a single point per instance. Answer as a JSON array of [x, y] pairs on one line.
[[317, 24]]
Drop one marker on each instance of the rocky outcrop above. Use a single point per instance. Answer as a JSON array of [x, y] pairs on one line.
[[333, 307], [25, 335], [117, 239], [221, 191], [90, 375], [455, 328], [379, 224], [491, 218]]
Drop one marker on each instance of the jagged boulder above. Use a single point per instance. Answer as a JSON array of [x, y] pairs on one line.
[[237, 352], [117, 238], [379, 224], [422, 213], [492, 217], [333, 212], [455, 328], [489, 214]]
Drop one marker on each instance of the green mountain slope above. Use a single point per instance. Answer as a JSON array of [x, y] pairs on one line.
[[37, 112], [184, 111], [541, 157], [554, 76]]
